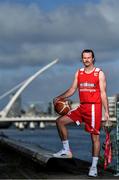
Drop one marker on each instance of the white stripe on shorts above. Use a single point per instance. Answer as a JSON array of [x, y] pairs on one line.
[[93, 116]]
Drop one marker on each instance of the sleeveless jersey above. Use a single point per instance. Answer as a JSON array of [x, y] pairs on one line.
[[88, 86]]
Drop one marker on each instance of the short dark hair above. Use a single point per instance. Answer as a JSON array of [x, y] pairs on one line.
[[88, 51]]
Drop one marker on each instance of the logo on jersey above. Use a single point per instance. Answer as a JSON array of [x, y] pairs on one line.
[[89, 85]]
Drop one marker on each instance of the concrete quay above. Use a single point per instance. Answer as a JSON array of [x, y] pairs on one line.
[[19, 160]]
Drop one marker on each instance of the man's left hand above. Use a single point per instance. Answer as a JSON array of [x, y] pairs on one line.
[[106, 116]]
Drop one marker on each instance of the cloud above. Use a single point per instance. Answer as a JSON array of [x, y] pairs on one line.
[[30, 36]]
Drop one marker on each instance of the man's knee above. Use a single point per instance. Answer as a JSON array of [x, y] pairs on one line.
[[95, 138], [59, 120], [63, 120]]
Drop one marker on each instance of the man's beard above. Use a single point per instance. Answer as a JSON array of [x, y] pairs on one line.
[[87, 64]]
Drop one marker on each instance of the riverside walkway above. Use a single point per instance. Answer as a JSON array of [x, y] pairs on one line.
[[20, 160]]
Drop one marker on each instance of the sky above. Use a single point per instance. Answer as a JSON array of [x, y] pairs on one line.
[[35, 32]]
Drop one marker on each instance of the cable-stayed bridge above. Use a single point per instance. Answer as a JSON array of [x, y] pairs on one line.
[[22, 86]]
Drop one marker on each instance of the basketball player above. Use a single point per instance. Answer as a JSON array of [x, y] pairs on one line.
[[91, 84]]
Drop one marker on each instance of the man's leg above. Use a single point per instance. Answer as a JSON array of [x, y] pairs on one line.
[[61, 123], [95, 145], [95, 154]]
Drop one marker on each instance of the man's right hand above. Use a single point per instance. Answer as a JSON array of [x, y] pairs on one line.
[[55, 100]]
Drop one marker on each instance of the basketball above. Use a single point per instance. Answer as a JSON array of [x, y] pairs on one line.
[[62, 107]]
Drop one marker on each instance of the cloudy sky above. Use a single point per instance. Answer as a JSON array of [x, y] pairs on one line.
[[35, 32]]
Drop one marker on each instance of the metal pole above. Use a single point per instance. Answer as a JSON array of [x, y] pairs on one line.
[[117, 140], [11, 90]]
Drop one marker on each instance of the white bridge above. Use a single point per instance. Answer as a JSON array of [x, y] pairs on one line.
[[22, 86], [29, 119], [38, 119]]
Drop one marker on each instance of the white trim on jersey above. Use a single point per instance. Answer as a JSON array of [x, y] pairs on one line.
[[82, 69], [93, 116], [97, 69]]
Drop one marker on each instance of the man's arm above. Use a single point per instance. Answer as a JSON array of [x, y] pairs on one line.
[[102, 83], [70, 91]]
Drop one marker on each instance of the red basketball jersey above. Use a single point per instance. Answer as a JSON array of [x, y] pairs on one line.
[[88, 86]]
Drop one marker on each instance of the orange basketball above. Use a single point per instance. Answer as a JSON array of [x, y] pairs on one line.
[[62, 107]]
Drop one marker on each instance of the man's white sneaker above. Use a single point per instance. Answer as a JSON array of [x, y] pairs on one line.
[[93, 171], [63, 154]]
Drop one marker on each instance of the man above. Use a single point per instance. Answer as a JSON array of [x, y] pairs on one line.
[[91, 84]]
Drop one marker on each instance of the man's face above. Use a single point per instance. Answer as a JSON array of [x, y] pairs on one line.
[[87, 59]]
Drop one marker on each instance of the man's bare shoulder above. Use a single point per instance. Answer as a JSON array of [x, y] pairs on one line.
[[101, 72], [76, 73], [101, 75]]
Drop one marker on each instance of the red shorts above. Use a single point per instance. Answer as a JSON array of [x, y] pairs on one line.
[[90, 114]]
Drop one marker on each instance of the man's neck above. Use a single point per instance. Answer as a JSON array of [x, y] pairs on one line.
[[89, 69]]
